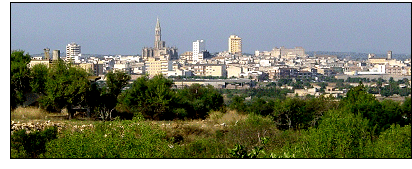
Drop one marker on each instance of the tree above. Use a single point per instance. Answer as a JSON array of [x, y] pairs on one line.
[[66, 87], [38, 75], [406, 111], [19, 77], [289, 115], [238, 103], [152, 98], [116, 81], [380, 114], [199, 100]]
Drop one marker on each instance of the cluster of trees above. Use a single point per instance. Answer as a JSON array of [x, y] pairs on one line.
[[64, 85], [297, 83], [391, 88], [357, 80], [19, 77], [297, 113], [154, 99]]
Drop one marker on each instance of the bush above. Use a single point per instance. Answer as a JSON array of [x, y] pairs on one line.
[[340, 134], [32, 144], [394, 142], [118, 139]]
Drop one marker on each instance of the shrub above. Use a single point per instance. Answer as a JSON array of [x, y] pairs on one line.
[[394, 142], [32, 144], [340, 134], [118, 139]]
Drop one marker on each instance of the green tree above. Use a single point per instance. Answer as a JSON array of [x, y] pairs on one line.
[[39, 74], [66, 86], [152, 98], [380, 115], [290, 113], [199, 100], [116, 81], [19, 77], [406, 111], [238, 104]]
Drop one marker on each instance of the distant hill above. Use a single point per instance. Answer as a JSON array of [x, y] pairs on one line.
[[356, 56]]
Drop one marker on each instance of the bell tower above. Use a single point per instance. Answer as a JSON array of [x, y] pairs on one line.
[[158, 44]]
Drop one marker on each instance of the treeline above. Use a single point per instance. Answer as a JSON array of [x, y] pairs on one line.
[[64, 85], [297, 113]]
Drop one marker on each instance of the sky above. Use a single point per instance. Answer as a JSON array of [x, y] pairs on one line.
[[125, 28]]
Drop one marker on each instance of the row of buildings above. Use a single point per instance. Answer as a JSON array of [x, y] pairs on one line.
[[263, 65]]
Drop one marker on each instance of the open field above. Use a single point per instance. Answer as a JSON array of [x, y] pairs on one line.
[[220, 135]]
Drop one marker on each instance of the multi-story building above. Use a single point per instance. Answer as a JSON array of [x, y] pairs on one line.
[[155, 66], [282, 72], [73, 52], [198, 47], [187, 56], [160, 49], [217, 70], [394, 70], [283, 52], [235, 45], [234, 71]]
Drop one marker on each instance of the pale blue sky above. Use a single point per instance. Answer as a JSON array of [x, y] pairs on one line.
[[125, 28]]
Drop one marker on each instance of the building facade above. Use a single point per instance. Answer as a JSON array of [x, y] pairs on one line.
[[73, 52], [198, 47], [155, 66], [283, 52], [235, 45]]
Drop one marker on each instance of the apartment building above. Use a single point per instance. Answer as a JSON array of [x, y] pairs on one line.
[[394, 70], [217, 70], [155, 66], [198, 47], [73, 52], [235, 45], [234, 71]]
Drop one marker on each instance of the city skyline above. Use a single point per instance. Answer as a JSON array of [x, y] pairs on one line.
[[103, 28]]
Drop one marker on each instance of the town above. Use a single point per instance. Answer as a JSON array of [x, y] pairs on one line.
[[232, 69], [239, 87]]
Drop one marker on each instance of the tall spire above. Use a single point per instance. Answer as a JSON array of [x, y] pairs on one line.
[[158, 35], [157, 23]]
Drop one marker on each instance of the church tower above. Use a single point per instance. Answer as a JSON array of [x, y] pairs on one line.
[[158, 44]]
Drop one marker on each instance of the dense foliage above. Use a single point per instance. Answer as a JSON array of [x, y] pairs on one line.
[[66, 87], [154, 99], [19, 77]]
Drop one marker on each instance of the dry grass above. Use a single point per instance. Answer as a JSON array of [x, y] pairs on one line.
[[32, 113], [28, 113], [229, 118], [190, 130]]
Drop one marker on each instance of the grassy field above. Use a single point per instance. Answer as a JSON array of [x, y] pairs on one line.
[[208, 138], [220, 135]]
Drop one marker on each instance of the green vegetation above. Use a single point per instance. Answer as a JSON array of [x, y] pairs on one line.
[[155, 121], [19, 77]]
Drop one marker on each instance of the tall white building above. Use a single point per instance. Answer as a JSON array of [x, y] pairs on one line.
[[73, 52], [198, 47]]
